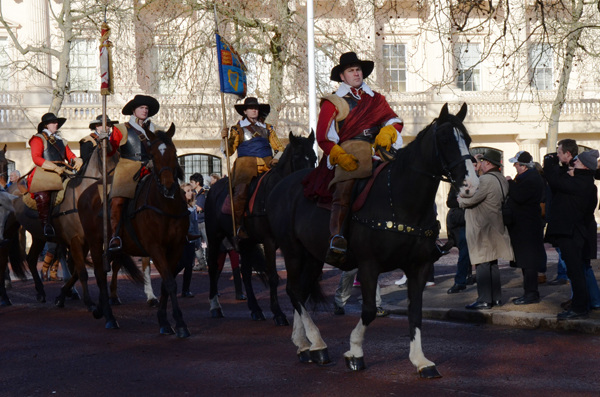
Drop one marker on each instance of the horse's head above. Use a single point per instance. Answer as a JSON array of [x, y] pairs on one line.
[[3, 166], [163, 154], [298, 154], [452, 149]]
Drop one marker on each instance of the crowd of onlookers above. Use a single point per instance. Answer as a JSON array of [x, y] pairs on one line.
[[512, 218]]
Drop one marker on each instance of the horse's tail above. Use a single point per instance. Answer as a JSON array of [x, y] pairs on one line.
[[316, 297], [17, 259], [131, 269], [254, 255]]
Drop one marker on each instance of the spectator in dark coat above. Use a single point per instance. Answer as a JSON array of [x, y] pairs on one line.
[[574, 196], [525, 193]]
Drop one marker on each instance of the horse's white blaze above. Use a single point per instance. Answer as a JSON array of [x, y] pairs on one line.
[[214, 303], [416, 353], [162, 148], [299, 335], [147, 280], [357, 338], [471, 181], [312, 332]]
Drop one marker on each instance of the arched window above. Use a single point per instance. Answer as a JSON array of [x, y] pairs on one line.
[[205, 164]]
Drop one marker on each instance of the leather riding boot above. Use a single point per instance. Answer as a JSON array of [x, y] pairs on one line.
[[116, 210], [54, 271], [237, 282], [240, 195], [340, 205], [42, 200], [48, 259]]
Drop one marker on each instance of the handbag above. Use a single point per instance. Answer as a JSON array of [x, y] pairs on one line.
[[507, 213]]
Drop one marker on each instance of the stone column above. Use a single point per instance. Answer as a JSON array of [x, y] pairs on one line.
[[530, 145], [37, 33]]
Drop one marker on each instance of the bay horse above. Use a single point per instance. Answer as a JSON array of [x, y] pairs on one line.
[[155, 225], [396, 227], [298, 154]]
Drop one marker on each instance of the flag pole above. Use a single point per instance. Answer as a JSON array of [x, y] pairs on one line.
[[226, 141], [106, 88]]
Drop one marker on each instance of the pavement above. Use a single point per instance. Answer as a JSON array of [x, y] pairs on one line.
[[439, 305]]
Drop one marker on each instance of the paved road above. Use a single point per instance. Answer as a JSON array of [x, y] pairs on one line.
[[48, 351]]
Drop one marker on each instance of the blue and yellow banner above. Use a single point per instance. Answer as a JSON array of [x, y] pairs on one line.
[[232, 71]]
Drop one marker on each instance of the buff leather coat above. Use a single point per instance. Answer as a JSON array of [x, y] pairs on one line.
[[487, 237]]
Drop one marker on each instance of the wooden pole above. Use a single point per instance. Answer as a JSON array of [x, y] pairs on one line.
[[228, 166], [104, 189]]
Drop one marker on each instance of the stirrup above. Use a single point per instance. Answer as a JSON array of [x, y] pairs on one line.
[[115, 244], [49, 230], [337, 250]]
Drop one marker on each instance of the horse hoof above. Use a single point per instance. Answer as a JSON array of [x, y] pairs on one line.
[[115, 301], [111, 324], [430, 372], [167, 330], [41, 298], [182, 332], [59, 301], [355, 363], [304, 357], [321, 357], [258, 316], [97, 313], [216, 313], [281, 321], [152, 302], [5, 302]]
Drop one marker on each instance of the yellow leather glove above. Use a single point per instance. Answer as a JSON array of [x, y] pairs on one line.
[[339, 156], [50, 166], [77, 163], [387, 135]]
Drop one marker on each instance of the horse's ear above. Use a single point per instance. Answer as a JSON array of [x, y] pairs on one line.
[[291, 136], [462, 113], [171, 131], [443, 112], [312, 135], [4, 150]]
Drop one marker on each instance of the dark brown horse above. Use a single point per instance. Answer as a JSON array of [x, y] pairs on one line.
[[155, 225], [299, 154], [395, 228]]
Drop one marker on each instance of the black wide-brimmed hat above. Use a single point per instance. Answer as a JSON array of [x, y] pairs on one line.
[[141, 100], [50, 118], [98, 121], [349, 59], [493, 156], [251, 102]]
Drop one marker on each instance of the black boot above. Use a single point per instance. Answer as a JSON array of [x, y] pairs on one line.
[[42, 200], [340, 205], [237, 282], [116, 210]]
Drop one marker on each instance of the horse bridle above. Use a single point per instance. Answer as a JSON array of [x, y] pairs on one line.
[[166, 192], [446, 173]]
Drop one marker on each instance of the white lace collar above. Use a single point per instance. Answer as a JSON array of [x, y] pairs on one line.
[[346, 89]]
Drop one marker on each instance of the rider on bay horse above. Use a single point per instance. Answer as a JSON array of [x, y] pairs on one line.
[[90, 142], [255, 142], [134, 162], [351, 121], [50, 154]]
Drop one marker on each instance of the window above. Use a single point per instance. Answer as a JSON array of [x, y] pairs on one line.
[[394, 66], [323, 66], [165, 66], [468, 57], [203, 163], [84, 75], [540, 58], [4, 65]]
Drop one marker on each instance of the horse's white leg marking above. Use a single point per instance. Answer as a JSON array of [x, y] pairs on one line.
[[299, 335], [416, 353], [214, 303], [312, 332], [147, 279], [356, 341]]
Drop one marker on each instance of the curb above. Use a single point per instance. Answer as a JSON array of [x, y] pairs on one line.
[[515, 319]]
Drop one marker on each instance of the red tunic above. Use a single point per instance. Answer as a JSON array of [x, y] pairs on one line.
[[369, 112], [37, 154]]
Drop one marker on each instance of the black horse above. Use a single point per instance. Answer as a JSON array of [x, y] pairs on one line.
[[299, 154], [395, 228]]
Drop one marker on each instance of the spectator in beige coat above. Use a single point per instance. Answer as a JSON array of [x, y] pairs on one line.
[[487, 237]]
